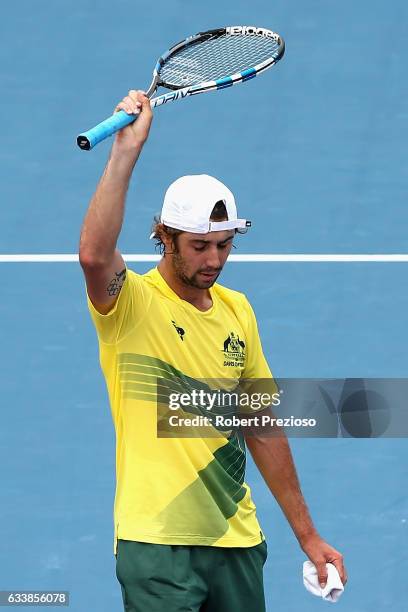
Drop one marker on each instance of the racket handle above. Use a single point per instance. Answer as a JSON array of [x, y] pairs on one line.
[[87, 140]]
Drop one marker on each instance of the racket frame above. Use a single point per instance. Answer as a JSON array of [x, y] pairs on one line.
[[117, 121]]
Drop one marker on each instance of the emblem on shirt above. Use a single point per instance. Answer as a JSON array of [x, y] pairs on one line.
[[179, 330], [234, 350]]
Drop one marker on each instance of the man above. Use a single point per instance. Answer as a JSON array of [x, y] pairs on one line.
[[186, 533]]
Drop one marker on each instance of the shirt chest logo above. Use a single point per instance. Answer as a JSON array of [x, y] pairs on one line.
[[179, 330], [234, 350]]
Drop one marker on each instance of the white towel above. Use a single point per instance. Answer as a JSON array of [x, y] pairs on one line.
[[334, 586]]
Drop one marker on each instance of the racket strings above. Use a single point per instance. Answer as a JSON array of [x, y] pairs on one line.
[[215, 58]]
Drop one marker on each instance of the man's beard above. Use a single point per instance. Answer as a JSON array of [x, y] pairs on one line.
[[179, 266]]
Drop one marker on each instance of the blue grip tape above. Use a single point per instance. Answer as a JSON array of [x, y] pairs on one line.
[[103, 130]]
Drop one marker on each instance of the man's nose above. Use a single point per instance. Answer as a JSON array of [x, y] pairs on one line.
[[213, 258]]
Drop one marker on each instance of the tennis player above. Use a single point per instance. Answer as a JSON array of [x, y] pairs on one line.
[[186, 533]]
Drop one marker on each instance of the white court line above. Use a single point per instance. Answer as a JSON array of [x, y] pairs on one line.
[[260, 258]]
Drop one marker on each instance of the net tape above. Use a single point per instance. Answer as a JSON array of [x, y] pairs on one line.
[[215, 58]]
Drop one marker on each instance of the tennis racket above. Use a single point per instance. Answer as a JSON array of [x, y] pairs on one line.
[[207, 61]]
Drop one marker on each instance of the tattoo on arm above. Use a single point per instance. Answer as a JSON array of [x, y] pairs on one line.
[[116, 283]]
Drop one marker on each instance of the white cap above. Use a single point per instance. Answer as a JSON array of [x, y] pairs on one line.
[[189, 201]]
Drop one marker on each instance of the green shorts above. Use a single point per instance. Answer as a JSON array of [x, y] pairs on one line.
[[174, 578]]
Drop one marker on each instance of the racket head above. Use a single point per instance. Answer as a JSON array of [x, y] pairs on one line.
[[218, 58]]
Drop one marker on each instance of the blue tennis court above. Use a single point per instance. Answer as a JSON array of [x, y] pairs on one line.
[[315, 152]]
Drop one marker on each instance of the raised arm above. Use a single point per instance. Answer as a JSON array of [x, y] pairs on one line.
[[101, 261]]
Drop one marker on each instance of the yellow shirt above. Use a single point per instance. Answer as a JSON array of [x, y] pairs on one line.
[[177, 490]]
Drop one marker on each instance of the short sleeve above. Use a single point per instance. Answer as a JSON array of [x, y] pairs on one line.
[[256, 365], [257, 382], [128, 311]]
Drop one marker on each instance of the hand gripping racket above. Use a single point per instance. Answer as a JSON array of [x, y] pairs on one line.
[[207, 61]]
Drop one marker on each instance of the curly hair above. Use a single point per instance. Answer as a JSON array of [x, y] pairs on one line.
[[218, 213]]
